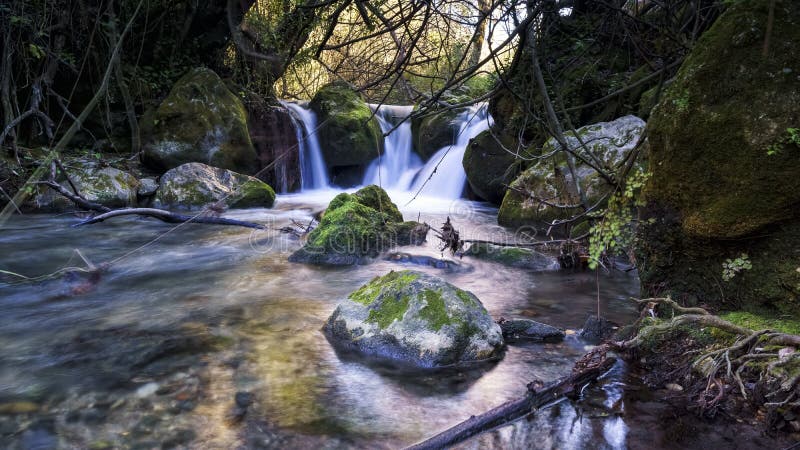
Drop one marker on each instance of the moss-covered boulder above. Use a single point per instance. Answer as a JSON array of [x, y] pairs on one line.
[[349, 133], [544, 192], [199, 121], [724, 166], [96, 182], [434, 131], [195, 185], [356, 228], [524, 258], [489, 164], [416, 319]]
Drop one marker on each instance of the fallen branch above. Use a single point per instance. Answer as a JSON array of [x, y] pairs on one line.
[[168, 217], [510, 411]]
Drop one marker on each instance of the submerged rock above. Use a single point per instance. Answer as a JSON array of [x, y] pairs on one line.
[[350, 134], [105, 185], [597, 329], [199, 121], [356, 228], [417, 319], [514, 256], [526, 329], [194, 185], [551, 180]]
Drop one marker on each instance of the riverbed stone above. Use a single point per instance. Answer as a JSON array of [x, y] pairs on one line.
[[201, 120], [551, 180], [96, 182], [349, 132], [526, 329], [724, 147], [417, 319], [524, 258], [194, 185], [355, 228]]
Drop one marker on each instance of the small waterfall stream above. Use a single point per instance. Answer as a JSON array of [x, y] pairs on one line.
[[399, 168], [313, 172], [446, 173], [399, 164]]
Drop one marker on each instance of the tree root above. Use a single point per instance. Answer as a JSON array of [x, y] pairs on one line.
[[745, 359]]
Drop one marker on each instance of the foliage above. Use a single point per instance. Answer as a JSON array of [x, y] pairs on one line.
[[792, 137], [614, 231], [731, 267]]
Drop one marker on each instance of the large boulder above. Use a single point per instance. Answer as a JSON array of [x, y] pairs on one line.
[[724, 162], [199, 121], [434, 131], [417, 319], [350, 133], [356, 228], [96, 182], [195, 185], [273, 134], [489, 164], [543, 192]]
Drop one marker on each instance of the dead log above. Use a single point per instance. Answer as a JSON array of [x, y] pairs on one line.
[[515, 409], [169, 217]]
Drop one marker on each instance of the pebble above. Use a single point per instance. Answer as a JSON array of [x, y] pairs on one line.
[[21, 407], [674, 387], [147, 390]]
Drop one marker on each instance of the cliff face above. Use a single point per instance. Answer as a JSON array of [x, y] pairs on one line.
[[724, 157]]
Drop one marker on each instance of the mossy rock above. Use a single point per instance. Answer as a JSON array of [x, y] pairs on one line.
[[715, 193], [489, 164], [417, 319], [435, 130], [550, 179], [356, 228], [520, 257], [195, 185], [350, 134], [96, 182], [199, 121]]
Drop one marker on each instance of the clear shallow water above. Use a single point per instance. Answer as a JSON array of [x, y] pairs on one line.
[[70, 345]]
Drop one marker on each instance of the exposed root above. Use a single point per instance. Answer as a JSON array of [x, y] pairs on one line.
[[750, 366]]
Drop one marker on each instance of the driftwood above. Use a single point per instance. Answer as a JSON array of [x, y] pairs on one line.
[[514, 409], [169, 217]]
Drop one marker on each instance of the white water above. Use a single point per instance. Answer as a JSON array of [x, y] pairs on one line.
[[399, 169], [313, 172], [443, 174], [399, 164]]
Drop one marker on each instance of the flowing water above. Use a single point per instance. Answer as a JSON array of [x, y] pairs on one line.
[[313, 173], [125, 359]]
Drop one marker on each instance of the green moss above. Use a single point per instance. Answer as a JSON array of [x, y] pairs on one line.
[[255, 193], [466, 298], [369, 292], [351, 133], [391, 309], [377, 199], [434, 310], [754, 321], [199, 121]]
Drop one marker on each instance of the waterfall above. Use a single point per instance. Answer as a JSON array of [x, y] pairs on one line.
[[449, 178], [398, 165], [313, 173]]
